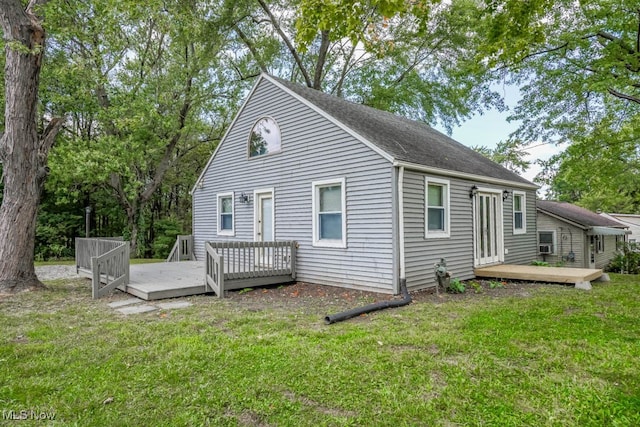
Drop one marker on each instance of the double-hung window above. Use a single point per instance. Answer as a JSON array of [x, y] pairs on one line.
[[437, 208], [225, 214], [519, 216], [329, 213]]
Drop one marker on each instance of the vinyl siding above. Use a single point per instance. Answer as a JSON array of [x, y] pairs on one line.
[[520, 248], [610, 246], [421, 254], [313, 149], [568, 238]]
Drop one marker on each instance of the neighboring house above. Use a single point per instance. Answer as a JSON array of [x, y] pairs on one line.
[[575, 236], [370, 197], [630, 220]]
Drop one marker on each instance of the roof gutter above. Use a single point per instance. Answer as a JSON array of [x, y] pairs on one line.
[[463, 175]]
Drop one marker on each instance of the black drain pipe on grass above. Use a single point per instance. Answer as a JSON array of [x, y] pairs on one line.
[[348, 314]]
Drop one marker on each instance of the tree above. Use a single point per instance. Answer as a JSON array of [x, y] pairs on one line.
[[600, 171], [509, 154], [149, 87], [416, 59], [23, 151], [578, 64]]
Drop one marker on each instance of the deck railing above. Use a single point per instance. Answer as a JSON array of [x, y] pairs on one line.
[[235, 265], [105, 261], [182, 250]]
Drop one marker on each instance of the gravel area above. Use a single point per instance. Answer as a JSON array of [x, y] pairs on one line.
[[53, 272]]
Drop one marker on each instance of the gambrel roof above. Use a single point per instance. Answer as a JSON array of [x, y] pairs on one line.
[[404, 140]]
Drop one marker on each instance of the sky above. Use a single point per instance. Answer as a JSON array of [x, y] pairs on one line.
[[492, 127]]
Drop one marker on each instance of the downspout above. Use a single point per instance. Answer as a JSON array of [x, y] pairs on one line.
[[403, 276], [406, 297]]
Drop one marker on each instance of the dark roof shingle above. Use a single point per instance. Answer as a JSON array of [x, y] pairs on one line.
[[403, 139], [577, 214]]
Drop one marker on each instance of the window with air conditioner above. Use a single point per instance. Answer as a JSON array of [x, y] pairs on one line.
[[546, 242]]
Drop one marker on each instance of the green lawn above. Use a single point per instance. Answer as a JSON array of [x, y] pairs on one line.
[[558, 357]]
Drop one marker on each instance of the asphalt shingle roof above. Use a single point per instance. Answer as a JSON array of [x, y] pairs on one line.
[[403, 139], [577, 214]]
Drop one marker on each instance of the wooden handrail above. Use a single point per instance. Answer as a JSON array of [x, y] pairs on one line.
[[182, 250], [106, 260], [243, 261]]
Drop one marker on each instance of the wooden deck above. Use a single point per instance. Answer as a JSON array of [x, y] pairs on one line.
[[539, 274], [166, 280]]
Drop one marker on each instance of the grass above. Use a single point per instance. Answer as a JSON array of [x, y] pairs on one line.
[[558, 357]]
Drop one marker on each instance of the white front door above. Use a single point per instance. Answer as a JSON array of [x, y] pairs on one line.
[[488, 233], [264, 216]]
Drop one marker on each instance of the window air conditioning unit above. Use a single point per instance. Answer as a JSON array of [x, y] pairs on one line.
[[545, 249]]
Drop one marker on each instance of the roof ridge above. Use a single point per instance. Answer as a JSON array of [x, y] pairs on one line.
[[403, 139]]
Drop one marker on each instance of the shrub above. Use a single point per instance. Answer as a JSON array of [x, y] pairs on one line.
[[627, 259], [540, 263], [456, 287]]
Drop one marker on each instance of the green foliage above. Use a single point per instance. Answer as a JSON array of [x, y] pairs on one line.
[[578, 69], [166, 231], [456, 286], [511, 154], [626, 260], [539, 263], [493, 284], [476, 286], [599, 171]]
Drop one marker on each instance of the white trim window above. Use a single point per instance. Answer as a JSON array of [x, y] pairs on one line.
[[519, 212], [226, 214], [265, 137], [437, 211], [329, 213], [546, 242]]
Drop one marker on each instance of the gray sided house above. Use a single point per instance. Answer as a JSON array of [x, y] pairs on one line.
[[575, 236], [630, 220], [370, 197]]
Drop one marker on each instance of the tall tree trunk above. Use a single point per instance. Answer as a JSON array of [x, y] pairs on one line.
[[22, 151]]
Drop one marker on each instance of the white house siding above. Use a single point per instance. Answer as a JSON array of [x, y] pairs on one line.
[[313, 149], [422, 253], [568, 238]]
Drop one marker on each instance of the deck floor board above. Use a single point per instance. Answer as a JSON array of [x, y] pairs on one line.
[[166, 279], [539, 273]]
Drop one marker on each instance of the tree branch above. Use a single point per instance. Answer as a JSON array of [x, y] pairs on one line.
[[250, 46], [623, 96], [49, 135], [286, 40], [322, 57]]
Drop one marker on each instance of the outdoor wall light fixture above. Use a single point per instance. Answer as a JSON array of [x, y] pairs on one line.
[[505, 195], [244, 199], [473, 191]]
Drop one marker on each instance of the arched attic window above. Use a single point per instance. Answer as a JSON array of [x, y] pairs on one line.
[[264, 137]]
